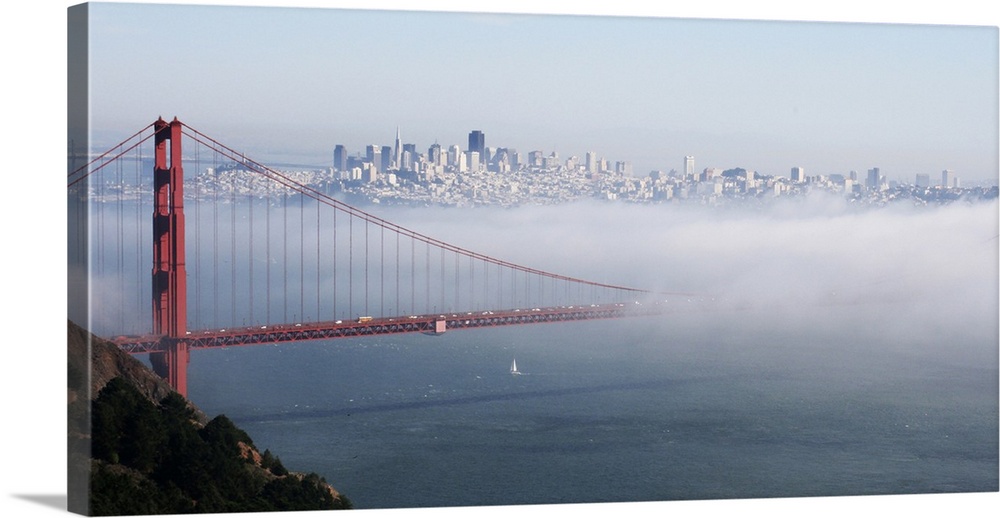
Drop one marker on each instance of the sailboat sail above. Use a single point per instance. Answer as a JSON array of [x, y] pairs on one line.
[[513, 367]]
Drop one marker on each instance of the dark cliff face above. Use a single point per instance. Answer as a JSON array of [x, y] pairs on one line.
[[99, 484], [107, 361], [91, 363]]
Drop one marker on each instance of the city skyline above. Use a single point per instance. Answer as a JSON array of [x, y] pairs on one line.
[[35, 37], [436, 154], [767, 96]]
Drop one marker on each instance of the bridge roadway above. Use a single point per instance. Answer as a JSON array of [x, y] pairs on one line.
[[368, 326]]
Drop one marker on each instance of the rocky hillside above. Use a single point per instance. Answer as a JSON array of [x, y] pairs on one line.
[[107, 362], [138, 447]]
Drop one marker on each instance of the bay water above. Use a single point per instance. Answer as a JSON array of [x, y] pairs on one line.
[[704, 405]]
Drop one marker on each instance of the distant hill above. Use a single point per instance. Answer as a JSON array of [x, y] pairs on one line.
[[137, 447]]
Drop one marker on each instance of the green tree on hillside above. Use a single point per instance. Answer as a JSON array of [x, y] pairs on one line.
[[158, 459]]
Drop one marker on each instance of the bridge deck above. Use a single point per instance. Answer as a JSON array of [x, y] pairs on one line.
[[367, 326]]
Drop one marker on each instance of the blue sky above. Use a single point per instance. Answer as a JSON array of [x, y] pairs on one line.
[[764, 95]]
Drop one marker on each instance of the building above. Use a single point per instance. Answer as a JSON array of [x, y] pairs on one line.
[[409, 158], [373, 155], [477, 143], [434, 154], [592, 162], [514, 159], [948, 179], [623, 167], [551, 161], [688, 165], [369, 173], [874, 182], [535, 158], [339, 158], [500, 161], [922, 180], [386, 162], [397, 157], [473, 161], [798, 174]]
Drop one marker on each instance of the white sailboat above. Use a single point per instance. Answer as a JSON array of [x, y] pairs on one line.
[[513, 368]]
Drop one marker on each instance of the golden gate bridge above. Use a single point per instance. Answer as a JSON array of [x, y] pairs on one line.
[[254, 229]]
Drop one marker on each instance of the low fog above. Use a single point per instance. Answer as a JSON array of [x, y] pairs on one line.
[[910, 273], [899, 270]]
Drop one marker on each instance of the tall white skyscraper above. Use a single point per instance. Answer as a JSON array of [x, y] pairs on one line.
[[798, 174], [688, 165]]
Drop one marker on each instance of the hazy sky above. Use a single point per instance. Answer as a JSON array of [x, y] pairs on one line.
[[763, 95], [34, 37]]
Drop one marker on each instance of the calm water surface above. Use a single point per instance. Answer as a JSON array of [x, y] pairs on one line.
[[666, 408]]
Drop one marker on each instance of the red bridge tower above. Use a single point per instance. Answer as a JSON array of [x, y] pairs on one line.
[[169, 273]]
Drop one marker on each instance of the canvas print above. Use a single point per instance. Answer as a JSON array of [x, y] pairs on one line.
[[332, 259]]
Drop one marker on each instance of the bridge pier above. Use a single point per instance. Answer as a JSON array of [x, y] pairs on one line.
[[171, 364]]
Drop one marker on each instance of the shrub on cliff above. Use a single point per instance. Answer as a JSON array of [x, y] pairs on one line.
[[158, 459]]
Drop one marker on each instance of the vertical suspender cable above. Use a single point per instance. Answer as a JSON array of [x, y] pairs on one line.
[[215, 240], [350, 265], [381, 262], [335, 262], [441, 282], [139, 226], [120, 249], [302, 257], [318, 290], [250, 285], [232, 246], [427, 291], [413, 276], [267, 256], [196, 194], [284, 251], [367, 312], [397, 308]]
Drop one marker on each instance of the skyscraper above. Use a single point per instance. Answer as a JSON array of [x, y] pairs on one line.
[[477, 143], [409, 157], [874, 182], [798, 174], [514, 158], [947, 178], [397, 157], [688, 165], [434, 154], [591, 162], [386, 163], [340, 158], [373, 155]]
